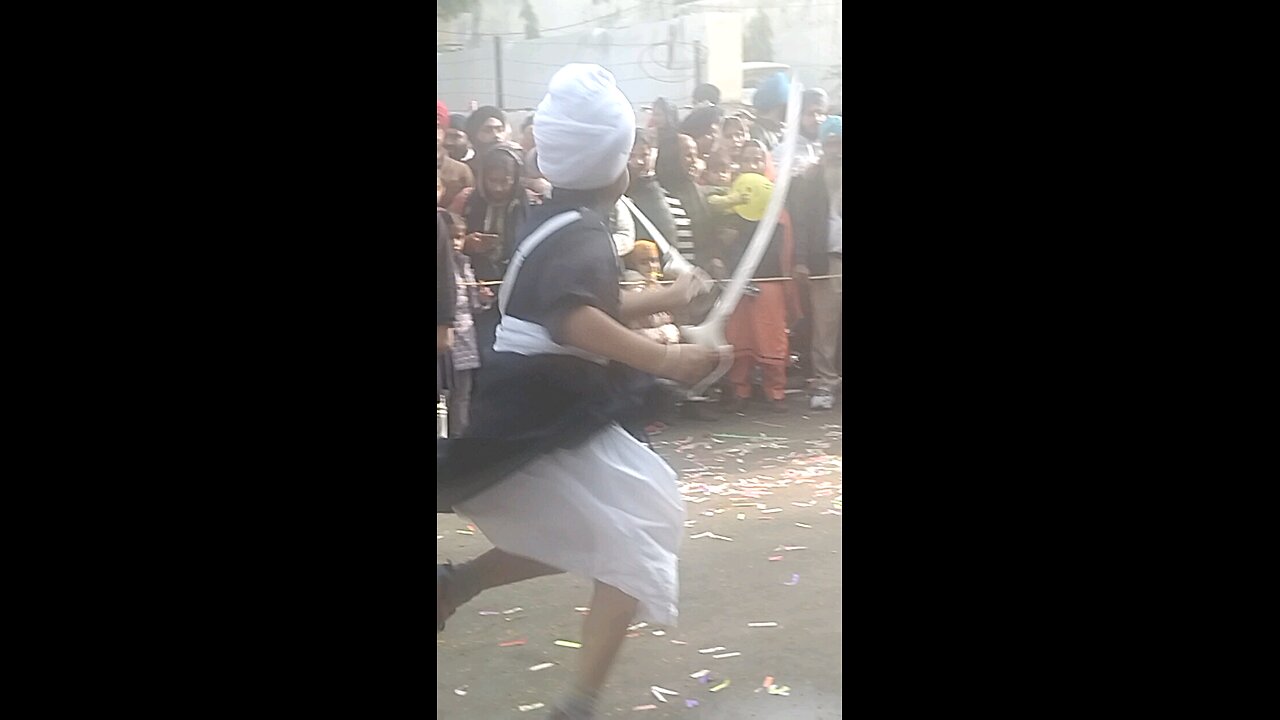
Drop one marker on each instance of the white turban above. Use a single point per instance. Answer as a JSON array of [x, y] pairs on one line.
[[584, 130]]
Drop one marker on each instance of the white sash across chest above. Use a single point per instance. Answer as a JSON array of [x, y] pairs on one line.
[[521, 336]]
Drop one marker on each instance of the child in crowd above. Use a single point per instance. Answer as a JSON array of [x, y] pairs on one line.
[[464, 356], [733, 136], [719, 172], [720, 200], [757, 329], [644, 268], [717, 182]]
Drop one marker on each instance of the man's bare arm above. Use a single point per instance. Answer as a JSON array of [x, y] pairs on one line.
[[636, 305], [589, 328], [676, 296]]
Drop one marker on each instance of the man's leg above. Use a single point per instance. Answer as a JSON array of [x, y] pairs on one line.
[[460, 402], [455, 585], [602, 634], [774, 381], [827, 307], [740, 376]]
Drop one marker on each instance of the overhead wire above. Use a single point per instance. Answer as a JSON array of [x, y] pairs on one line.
[[615, 13]]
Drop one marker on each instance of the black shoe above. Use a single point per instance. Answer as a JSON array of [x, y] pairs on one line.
[[698, 411], [444, 583], [735, 405], [778, 406]]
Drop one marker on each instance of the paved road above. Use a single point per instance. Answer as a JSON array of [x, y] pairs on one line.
[[795, 468]]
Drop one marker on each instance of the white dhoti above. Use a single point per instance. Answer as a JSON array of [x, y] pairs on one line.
[[607, 510]]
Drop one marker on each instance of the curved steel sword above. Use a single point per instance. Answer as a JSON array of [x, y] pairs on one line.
[[710, 332], [675, 262]]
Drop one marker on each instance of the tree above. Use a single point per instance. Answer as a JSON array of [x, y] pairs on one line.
[[757, 41], [530, 21], [450, 9]]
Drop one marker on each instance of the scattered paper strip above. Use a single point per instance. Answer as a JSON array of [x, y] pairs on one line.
[[704, 651], [726, 655], [568, 644], [535, 706], [461, 691], [721, 686], [700, 673], [762, 624], [512, 643], [542, 666]]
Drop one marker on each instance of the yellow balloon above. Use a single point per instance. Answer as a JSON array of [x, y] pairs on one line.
[[757, 190]]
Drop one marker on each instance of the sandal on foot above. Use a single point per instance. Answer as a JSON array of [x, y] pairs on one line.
[[574, 707]]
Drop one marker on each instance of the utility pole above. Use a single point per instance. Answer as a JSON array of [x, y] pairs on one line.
[[698, 69], [497, 66]]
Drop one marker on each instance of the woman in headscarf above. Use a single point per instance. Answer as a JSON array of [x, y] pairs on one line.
[[678, 168], [703, 125], [664, 120], [494, 211], [647, 194]]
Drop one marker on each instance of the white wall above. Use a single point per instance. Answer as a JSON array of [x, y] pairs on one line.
[[503, 16], [806, 35], [641, 57]]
